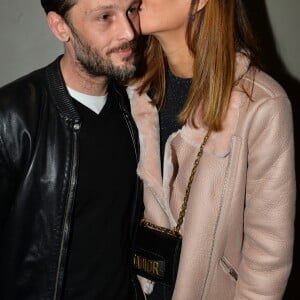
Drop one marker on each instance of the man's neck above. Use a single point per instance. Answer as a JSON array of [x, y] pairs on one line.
[[80, 81]]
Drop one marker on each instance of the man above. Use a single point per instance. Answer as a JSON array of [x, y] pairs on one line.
[[68, 153]]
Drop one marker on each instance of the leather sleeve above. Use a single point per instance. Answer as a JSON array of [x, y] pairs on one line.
[[270, 204], [7, 185]]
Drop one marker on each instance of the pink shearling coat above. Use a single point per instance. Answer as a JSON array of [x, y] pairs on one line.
[[239, 225]]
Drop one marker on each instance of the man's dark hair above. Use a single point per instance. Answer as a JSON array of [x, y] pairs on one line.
[[61, 7]]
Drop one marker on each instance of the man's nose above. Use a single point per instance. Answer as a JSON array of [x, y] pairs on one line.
[[126, 29]]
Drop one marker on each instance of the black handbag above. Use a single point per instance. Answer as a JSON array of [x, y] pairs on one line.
[[157, 249]]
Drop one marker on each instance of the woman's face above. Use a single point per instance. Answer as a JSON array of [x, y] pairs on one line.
[[160, 16]]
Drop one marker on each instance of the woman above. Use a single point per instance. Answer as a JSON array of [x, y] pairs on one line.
[[204, 76]]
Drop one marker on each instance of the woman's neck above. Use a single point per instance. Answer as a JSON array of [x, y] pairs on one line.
[[179, 56]]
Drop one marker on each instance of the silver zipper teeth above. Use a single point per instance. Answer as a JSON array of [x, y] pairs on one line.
[[66, 227], [126, 117], [229, 269]]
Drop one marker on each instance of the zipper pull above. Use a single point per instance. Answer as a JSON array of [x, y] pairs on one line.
[[76, 126]]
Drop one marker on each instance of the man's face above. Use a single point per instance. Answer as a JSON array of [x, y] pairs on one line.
[[104, 36]]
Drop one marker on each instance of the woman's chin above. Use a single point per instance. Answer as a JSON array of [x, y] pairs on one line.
[[146, 30]]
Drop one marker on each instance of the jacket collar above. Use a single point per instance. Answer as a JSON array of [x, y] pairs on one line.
[[146, 118], [59, 93], [62, 99]]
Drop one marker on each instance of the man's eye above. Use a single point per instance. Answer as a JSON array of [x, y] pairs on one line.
[[133, 10], [103, 17]]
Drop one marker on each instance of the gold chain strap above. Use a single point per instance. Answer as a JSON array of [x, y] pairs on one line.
[[188, 189], [176, 229], [160, 228]]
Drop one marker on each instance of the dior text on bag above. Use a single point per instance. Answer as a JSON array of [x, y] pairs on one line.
[[157, 249]]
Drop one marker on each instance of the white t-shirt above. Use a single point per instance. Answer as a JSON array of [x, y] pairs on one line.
[[94, 103]]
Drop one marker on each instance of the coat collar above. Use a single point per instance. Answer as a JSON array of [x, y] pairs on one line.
[[62, 99], [59, 93], [146, 117]]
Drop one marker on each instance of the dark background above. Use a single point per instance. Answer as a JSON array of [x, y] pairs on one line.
[[274, 66]]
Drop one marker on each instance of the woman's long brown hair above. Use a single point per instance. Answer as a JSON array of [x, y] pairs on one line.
[[214, 35]]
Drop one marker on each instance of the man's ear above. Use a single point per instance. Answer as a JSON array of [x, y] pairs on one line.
[[58, 26], [202, 4]]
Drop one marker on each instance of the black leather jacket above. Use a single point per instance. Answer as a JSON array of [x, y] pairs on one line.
[[39, 128]]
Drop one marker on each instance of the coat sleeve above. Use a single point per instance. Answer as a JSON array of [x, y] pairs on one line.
[[7, 185], [270, 204]]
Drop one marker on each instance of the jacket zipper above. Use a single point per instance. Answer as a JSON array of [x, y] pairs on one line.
[[68, 212], [129, 126], [229, 269], [128, 123]]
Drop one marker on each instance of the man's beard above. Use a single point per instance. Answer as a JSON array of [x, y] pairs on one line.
[[96, 65]]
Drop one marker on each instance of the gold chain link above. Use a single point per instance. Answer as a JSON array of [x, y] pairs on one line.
[[188, 189], [160, 228], [175, 231]]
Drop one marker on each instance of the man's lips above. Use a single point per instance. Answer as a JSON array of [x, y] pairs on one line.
[[124, 50]]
